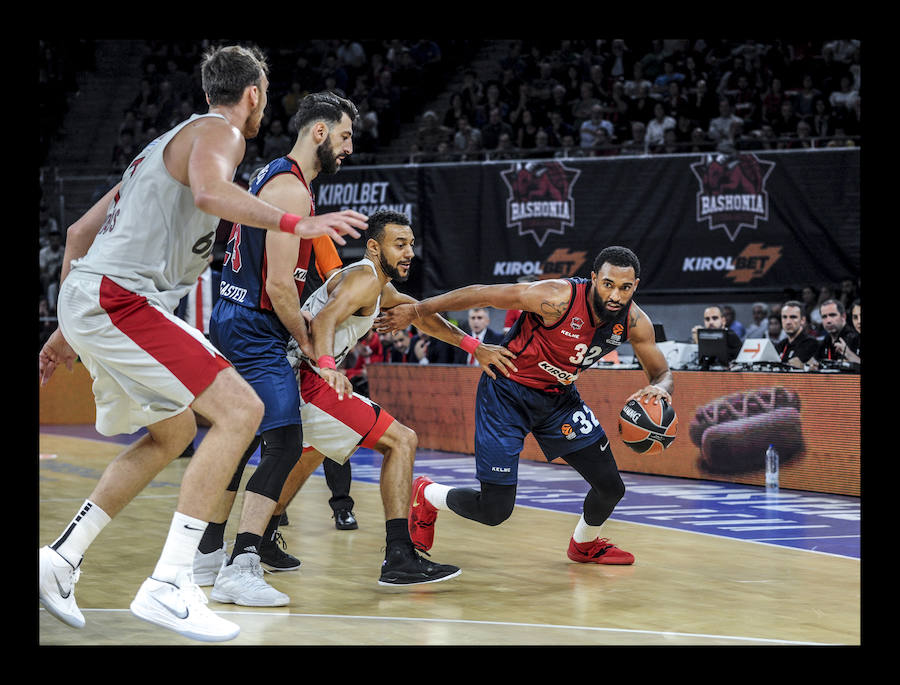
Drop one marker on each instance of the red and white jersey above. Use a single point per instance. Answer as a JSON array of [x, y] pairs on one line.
[[154, 241], [549, 358]]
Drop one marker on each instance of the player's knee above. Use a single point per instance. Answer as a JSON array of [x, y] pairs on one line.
[[255, 409], [399, 439], [612, 490], [246, 411], [408, 438], [498, 503], [282, 452]]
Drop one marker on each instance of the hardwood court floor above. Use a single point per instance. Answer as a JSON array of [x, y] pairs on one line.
[[517, 586]]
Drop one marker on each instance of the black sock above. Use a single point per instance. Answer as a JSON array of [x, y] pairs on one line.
[[397, 532], [245, 542], [271, 529], [213, 538]]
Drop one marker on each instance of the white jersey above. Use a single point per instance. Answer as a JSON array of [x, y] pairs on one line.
[[154, 242], [349, 331]]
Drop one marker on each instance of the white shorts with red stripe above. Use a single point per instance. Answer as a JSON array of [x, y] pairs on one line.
[[147, 364], [337, 428]]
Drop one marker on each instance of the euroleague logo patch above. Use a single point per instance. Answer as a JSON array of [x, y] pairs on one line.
[[540, 198], [732, 191]]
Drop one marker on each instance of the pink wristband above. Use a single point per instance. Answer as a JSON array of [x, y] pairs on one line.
[[289, 222], [326, 362], [468, 343]]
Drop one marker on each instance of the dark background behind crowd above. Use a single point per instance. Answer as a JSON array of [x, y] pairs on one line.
[[463, 100]]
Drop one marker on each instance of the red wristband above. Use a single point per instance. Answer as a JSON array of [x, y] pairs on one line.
[[326, 362], [468, 343], [289, 222]]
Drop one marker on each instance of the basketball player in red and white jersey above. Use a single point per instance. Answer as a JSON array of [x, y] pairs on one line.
[[129, 260], [565, 326]]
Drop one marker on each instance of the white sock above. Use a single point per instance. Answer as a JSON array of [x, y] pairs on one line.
[[584, 532], [80, 533], [181, 544], [436, 494]]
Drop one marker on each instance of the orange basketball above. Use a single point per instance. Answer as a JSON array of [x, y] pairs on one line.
[[648, 428]]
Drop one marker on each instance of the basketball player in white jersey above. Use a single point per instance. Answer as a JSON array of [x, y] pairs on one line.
[[128, 262], [337, 421]]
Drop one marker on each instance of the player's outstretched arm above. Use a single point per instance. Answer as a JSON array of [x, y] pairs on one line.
[[79, 238], [548, 298], [438, 327], [212, 155]]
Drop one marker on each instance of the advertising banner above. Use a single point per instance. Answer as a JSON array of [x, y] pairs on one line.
[[716, 223], [726, 421], [698, 223]]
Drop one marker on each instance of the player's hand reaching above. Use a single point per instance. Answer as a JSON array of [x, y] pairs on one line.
[[396, 318], [499, 356], [338, 382], [305, 339], [55, 351], [651, 392], [333, 224]]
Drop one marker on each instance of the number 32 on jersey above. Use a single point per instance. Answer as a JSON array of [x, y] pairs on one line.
[[584, 358]]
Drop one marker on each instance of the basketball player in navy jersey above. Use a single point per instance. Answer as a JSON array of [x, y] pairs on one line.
[[258, 311], [565, 326]]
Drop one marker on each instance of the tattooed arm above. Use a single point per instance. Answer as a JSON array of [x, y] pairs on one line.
[[549, 299]]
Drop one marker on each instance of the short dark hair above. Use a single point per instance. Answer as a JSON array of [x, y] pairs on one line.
[[795, 303], [321, 106], [840, 306], [380, 219], [618, 256], [227, 71]]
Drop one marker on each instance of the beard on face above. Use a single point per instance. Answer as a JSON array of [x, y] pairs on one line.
[[327, 158], [392, 271], [600, 307]]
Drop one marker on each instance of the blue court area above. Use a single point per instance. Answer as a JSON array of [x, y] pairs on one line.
[[821, 523], [828, 524]]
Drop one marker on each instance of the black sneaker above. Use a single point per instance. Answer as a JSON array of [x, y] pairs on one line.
[[275, 558], [345, 520], [404, 566]]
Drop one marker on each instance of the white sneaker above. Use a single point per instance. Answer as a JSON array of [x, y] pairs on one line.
[[241, 582], [207, 566], [56, 587], [181, 606]]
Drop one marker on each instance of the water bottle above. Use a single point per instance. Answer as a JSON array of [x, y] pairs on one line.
[[771, 469]]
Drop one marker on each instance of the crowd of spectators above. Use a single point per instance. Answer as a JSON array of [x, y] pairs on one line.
[[811, 327], [571, 98], [388, 80]]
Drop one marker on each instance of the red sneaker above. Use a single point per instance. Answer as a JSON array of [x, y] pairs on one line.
[[422, 515], [599, 551]]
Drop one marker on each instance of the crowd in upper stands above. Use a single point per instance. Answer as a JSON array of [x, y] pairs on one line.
[[613, 97], [540, 98], [548, 97]]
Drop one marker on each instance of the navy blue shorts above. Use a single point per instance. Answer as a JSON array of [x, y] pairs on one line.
[[255, 343], [506, 411]]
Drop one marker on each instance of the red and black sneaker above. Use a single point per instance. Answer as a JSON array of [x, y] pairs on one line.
[[422, 515], [599, 551]]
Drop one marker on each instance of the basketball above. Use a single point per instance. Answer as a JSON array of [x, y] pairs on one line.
[[648, 428]]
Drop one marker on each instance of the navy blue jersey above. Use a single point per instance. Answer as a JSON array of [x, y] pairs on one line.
[[244, 268]]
